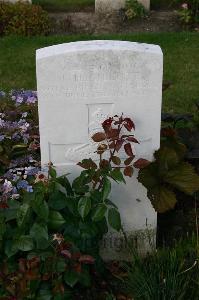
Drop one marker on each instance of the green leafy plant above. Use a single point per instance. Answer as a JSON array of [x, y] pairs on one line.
[[134, 9], [168, 173], [50, 231], [23, 18], [189, 12]]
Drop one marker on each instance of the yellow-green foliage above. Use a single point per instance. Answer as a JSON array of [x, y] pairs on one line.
[[23, 19]]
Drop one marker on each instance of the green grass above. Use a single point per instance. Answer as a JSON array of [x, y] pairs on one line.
[[64, 5], [181, 57]]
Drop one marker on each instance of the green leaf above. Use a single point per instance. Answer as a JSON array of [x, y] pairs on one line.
[[11, 212], [22, 214], [184, 178], [84, 206], [60, 265], [24, 243], [99, 212], [114, 219], [39, 230], [57, 200], [106, 189], [85, 277], [110, 203], [56, 220], [10, 248], [71, 278], [117, 175], [167, 158], [52, 172], [2, 230], [162, 199], [40, 206], [19, 147], [63, 180]]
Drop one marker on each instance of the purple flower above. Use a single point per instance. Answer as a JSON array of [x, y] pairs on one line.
[[22, 184], [29, 189], [7, 187], [31, 171], [31, 100], [2, 94], [2, 137]]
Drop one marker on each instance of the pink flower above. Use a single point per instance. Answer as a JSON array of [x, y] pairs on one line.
[[184, 6]]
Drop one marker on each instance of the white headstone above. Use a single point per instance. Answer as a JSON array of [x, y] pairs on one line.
[[109, 6], [80, 84]]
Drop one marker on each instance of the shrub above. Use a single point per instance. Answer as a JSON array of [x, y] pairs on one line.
[[23, 19], [134, 9], [50, 228], [189, 12]]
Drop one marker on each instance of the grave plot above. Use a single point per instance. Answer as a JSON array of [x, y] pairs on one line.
[[79, 85]]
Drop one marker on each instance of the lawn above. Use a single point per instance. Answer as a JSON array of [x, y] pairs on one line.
[[181, 56], [70, 5], [64, 5]]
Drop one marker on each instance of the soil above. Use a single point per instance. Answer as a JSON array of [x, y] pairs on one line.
[[88, 22]]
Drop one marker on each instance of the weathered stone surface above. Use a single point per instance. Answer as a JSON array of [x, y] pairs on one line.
[[79, 85], [110, 6]]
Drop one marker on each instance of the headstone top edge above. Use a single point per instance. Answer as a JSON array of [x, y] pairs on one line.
[[96, 45]]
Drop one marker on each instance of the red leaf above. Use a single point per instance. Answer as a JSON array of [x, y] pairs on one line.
[[128, 149], [141, 163], [76, 256], [77, 267], [129, 160], [118, 145], [104, 164], [128, 171], [132, 139], [167, 132], [107, 124], [112, 145], [66, 254], [113, 134], [86, 259], [87, 164], [129, 125], [22, 265], [3, 205], [99, 137]]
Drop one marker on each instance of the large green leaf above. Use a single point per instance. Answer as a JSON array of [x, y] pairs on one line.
[[99, 212], [117, 175], [11, 212], [39, 230], [84, 206], [184, 178], [162, 199], [23, 214], [57, 200], [39, 233], [106, 189], [40, 206], [71, 278], [167, 158], [24, 243], [114, 219], [56, 220], [148, 176]]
